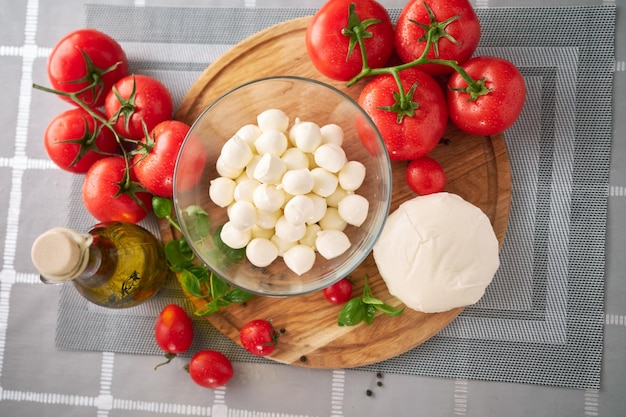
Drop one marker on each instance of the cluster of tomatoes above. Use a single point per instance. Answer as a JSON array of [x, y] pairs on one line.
[[119, 134], [420, 75]]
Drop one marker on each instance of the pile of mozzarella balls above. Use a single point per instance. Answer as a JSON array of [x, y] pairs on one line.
[[290, 191]]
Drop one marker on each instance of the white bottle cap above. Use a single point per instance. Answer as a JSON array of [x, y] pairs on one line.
[[61, 254]]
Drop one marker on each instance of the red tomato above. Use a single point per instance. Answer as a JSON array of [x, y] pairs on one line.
[[495, 111], [328, 47], [74, 140], [210, 369], [415, 135], [154, 163], [173, 329], [340, 292], [425, 176], [135, 100], [86, 57], [258, 337], [108, 198], [455, 26]]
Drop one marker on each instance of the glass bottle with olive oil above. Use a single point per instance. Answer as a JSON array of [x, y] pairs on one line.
[[114, 265]]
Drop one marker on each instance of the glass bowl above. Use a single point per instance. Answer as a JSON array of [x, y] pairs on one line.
[[308, 100]]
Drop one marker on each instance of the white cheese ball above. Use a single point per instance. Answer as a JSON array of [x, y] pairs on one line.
[[271, 141], [352, 175], [251, 167], [268, 198], [261, 252], [353, 208], [437, 252], [273, 119], [222, 190], [249, 133], [258, 231], [294, 158], [269, 169], [282, 245], [332, 220], [332, 133], [311, 235], [298, 209], [233, 237], [334, 199], [324, 182], [307, 136], [298, 181], [289, 232], [331, 243], [268, 219], [236, 153], [244, 190], [225, 170], [331, 157], [300, 259], [319, 208], [242, 215]]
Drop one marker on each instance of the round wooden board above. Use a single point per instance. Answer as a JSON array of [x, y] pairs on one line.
[[477, 169]]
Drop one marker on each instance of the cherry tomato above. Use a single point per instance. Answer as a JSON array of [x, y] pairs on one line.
[[136, 100], [258, 337], [154, 163], [340, 292], [108, 197], [495, 111], [74, 140], [328, 47], [425, 176], [455, 26], [210, 369], [86, 57], [173, 329], [414, 135]]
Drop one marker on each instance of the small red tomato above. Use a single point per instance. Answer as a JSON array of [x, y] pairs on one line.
[[155, 160], [173, 330], [137, 100], [425, 176], [74, 140], [210, 369], [340, 292], [83, 58], [258, 337]]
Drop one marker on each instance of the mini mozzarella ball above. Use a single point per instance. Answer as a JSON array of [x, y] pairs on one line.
[[297, 181], [307, 136], [261, 252], [249, 133], [233, 237], [331, 157], [258, 231], [352, 175], [334, 199], [332, 220], [249, 170], [319, 208], [295, 159], [236, 153], [221, 191], [244, 189], [331, 243], [282, 245], [273, 119], [267, 197], [242, 215], [324, 182], [332, 133], [269, 169], [299, 209], [271, 141], [289, 232], [311, 235], [300, 259], [353, 209], [225, 170], [268, 219]]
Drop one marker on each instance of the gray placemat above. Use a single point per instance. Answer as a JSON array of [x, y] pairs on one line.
[[541, 320]]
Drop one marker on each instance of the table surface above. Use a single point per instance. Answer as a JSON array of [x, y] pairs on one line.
[[36, 379]]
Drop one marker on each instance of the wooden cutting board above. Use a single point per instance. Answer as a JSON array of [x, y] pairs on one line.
[[477, 168]]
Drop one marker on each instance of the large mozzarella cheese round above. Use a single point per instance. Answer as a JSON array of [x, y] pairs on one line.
[[437, 252]]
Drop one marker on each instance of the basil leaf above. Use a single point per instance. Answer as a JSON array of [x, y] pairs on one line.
[[190, 283], [232, 255], [162, 207], [177, 259], [218, 287], [352, 313], [370, 312], [389, 310], [236, 296]]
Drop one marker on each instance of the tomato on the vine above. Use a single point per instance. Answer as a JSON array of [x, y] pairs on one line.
[[331, 42], [155, 158], [74, 140], [110, 192], [210, 369], [410, 127], [494, 102], [425, 176], [84, 58], [259, 337], [340, 292], [454, 28], [135, 101]]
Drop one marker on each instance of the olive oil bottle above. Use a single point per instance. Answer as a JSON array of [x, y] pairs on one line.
[[114, 265]]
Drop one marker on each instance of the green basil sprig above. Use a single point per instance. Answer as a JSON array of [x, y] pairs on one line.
[[364, 308]]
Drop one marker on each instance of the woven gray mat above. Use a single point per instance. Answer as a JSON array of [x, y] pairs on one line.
[[541, 320]]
